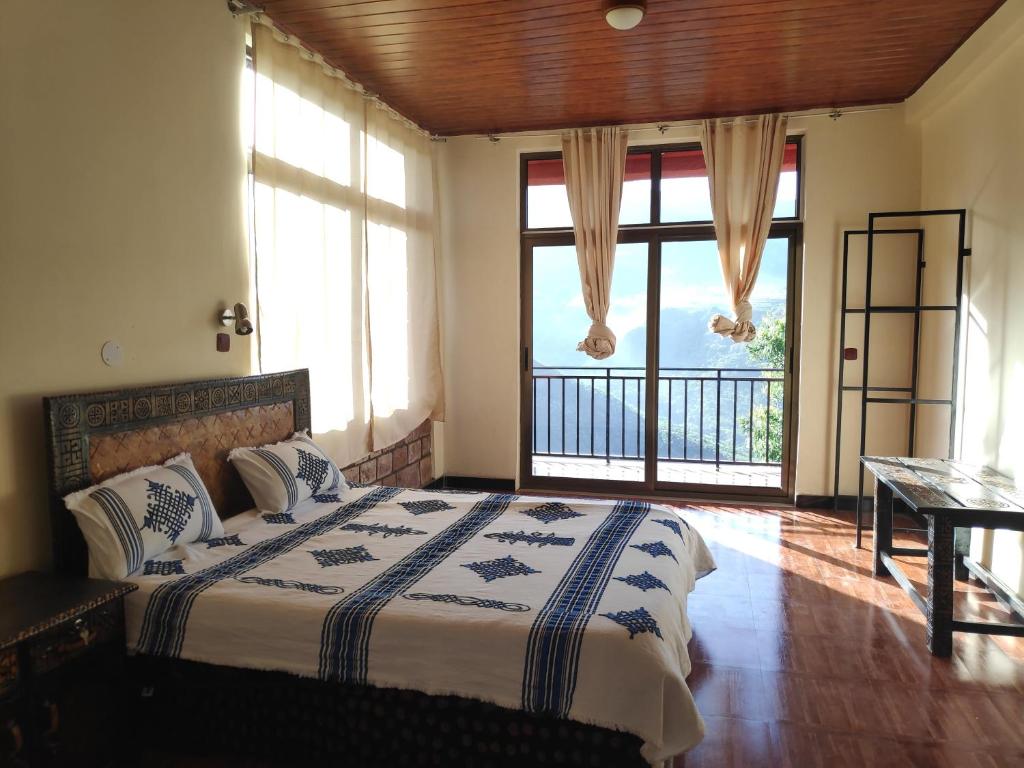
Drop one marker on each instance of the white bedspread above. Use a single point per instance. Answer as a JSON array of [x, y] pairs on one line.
[[571, 607]]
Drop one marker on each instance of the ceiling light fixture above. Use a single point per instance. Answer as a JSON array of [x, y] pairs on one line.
[[622, 14]]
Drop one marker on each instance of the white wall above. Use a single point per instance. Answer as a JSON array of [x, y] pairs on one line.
[[121, 215], [480, 312], [970, 115], [862, 162]]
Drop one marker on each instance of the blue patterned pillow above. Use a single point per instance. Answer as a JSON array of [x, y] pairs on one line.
[[132, 518], [281, 475]]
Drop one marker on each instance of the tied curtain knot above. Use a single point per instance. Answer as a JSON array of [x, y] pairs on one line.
[[744, 160], [739, 330], [600, 342], [594, 160]]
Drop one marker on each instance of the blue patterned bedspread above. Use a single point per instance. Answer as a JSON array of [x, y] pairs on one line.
[[570, 607]]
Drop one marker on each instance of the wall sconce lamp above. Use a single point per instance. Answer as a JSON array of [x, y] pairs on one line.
[[238, 315]]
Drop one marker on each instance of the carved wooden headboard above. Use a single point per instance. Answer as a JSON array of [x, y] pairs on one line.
[[93, 436]]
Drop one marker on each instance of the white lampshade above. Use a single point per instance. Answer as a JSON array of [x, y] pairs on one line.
[[624, 15]]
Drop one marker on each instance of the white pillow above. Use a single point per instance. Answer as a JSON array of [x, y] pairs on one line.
[[134, 517], [281, 475]]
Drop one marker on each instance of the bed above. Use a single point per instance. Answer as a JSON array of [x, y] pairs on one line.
[[385, 624]]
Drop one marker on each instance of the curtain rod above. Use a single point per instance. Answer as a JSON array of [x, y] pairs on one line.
[[258, 16], [835, 113]]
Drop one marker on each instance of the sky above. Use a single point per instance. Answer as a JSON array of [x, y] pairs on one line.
[[682, 200]]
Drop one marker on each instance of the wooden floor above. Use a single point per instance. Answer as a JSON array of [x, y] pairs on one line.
[[802, 658]]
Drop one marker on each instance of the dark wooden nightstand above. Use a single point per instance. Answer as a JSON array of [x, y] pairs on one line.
[[62, 671]]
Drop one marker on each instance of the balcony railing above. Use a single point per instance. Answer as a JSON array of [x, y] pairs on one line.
[[705, 415]]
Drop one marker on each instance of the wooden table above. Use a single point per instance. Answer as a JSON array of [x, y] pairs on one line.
[[948, 495]]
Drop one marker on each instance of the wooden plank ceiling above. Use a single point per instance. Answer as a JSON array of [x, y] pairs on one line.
[[482, 66]]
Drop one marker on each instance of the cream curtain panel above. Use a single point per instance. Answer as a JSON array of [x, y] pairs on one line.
[[401, 258], [340, 198], [595, 163], [743, 158]]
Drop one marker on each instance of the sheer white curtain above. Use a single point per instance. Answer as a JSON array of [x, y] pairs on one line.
[[405, 352], [744, 157], [343, 252]]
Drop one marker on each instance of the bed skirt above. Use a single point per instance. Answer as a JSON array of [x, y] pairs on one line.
[[282, 719]]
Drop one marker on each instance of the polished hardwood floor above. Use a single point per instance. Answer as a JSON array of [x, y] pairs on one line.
[[802, 658]]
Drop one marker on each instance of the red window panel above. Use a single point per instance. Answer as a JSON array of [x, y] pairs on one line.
[[540, 173], [638, 167], [679, 164], [684, 164], [689, 163], [552, 172], [789, 158]]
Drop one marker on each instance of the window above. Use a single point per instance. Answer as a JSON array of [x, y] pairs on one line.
[[677, 174], [342, 249], [675, 407]]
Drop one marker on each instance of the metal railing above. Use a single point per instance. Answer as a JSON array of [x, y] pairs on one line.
[[705, 415]]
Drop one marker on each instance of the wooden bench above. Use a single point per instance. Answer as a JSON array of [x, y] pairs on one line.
[[948, 495]]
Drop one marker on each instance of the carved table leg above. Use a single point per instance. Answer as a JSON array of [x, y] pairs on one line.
[[939, 619], [883, 525]]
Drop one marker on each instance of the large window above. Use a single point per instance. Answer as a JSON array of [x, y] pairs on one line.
[[676, 407], [342, 249], [663, 185]]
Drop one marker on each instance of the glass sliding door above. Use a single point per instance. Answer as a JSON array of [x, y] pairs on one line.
[[676, 408], [721, 405], [588, 417]]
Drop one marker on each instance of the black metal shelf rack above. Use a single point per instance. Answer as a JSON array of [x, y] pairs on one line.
[[917, 309]]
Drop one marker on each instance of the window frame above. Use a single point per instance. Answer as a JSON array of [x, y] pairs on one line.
[[656, 151], [654, 234]]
